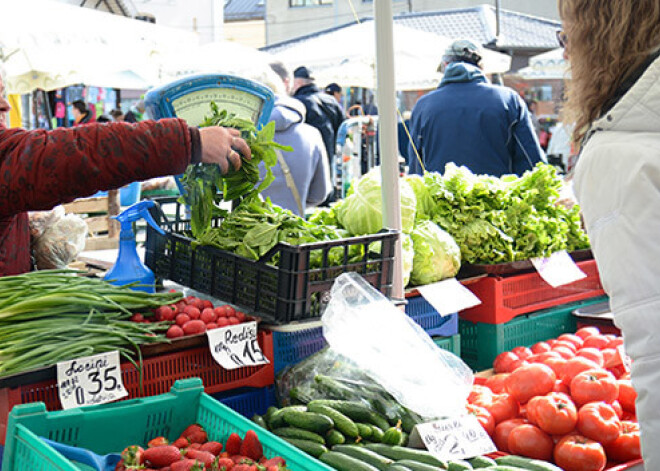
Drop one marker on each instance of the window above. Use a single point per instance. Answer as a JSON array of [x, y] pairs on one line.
[[309, 3]]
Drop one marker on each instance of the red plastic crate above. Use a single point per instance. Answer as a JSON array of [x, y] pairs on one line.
[[503, 298], [159, 374]]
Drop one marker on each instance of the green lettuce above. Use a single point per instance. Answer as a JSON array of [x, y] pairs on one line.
[[437, 256], [408, 257]]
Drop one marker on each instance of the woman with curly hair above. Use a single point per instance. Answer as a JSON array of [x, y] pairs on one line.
[[614, 98]]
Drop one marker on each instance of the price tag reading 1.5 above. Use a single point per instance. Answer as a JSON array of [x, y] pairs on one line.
[[236, 346], [451, 439], [90, 380]]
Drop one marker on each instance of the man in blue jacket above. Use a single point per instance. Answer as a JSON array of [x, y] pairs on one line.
[[471, 122]]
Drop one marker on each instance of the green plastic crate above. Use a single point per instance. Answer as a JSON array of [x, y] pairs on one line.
[[452, 343], [481, 342], [109, 428]]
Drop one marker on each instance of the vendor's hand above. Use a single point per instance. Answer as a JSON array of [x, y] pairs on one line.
[[223, 146]]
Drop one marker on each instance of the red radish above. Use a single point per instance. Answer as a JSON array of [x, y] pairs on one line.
[[192, 311], [207, 304], [182, 318], [211, 326], [165, 313], [194, 327], [208, 316], [241, 316], [219, 311], [174, 332], [137, 317], [230, 311], [222, 322], [233, 321]]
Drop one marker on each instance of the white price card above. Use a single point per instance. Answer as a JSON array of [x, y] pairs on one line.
[[90, 380], [453, 439], [558, 269], [236, 346], [448, 296]]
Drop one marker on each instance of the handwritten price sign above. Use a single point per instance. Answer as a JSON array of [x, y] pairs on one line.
[[236, 346], [456, 438], [90, 380]]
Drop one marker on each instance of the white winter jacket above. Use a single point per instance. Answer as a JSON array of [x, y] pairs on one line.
[[617, 183]]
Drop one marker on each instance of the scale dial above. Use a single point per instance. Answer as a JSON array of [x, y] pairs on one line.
[[195, 106]]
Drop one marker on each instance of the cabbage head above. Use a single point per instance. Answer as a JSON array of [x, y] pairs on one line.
[[408, 256], [362, 210], [437, 255], [425, 202]]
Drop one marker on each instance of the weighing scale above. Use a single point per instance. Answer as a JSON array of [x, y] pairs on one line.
[[190, 99]]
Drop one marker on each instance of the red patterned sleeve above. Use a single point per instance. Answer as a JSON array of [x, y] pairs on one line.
[[41, 169]]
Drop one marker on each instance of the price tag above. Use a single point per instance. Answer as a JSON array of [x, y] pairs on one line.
[[558, 269], [90, 380], [451, 439], [236, 346], [448, 296]]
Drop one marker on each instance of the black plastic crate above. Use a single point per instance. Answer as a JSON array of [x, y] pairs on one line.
[[282, 291]]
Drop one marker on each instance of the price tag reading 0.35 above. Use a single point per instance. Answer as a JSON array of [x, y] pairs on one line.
[[90, 380], [236, 346]]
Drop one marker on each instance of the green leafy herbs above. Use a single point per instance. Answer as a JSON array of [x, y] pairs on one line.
[[205, 185]]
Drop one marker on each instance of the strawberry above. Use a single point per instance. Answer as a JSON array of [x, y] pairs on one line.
[[199, 436], [199, 455], [181, 442], [245, 467], [158, 441], [277, 461], [251, 446], [195, 446], [120, 466], [187, 465], [240, 459], [161, 456], [132, 456], [233, 445], [223, 464], [212, 447]]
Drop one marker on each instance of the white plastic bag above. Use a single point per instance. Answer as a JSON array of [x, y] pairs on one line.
[[60, 243], [363, 325]]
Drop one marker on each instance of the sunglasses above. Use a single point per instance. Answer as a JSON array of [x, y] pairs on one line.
[[562, 38]]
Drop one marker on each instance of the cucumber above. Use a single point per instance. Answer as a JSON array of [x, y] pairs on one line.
[[417, 466], [277, 417], [404, 439], [502, 467], [342, 423], [357, 411], [300, 397], [317, 423], [334, 437], [364, 455], [300, 434], [333, 388], [377, 434], [393, 436], [260, 421], [398, 453], [458, 465], [526, 463], [269, 413], [398, 467], [482, 462], [379, 421], [364, 430], [309, 447], [342, 462]]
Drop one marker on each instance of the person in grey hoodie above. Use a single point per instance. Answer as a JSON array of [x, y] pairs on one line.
[[302, 176]]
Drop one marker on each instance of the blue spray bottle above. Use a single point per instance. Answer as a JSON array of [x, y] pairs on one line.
[[129, 268]]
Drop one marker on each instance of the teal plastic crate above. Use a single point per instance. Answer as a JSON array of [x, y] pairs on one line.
[[451, 344], [482, 342], [109, 428]]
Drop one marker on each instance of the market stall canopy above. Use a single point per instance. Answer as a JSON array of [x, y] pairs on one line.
[[547, 66], [347, 56], [48, 45]]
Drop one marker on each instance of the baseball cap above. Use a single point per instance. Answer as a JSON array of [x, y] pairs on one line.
[[461, 49], [332, 88], [303, 72]]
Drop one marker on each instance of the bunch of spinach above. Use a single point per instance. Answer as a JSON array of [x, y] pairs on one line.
[[206, 187]]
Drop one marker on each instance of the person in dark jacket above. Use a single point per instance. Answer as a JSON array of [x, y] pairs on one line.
[[40, 169], [323, 111], [470, 122], [81, 114]]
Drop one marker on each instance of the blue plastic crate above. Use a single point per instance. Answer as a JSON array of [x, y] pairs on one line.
[[248, 401], [421, 311], [292, 347]]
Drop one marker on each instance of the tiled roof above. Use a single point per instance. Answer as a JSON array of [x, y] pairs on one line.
[[517, 30], [236, 10]]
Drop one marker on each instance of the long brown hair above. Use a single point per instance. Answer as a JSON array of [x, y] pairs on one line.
[[608, 39]]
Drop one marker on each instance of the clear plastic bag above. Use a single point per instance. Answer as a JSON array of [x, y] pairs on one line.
[[60, 243], [388, 346], [42, 220]]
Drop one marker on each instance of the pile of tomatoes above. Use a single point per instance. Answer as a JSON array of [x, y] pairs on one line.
[[567, 400]]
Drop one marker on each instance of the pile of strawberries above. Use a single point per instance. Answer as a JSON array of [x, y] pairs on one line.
[[192, 316], [193, 452], [567, 400]]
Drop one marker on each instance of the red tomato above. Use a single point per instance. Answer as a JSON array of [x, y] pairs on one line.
[[578, 453], [522, 352], [541, 347], [615, 342], [592, 354], [627, 395], [496, 382], [585, 332], [541, 357], [617, 371], [610, 357], [551, 342], [561, 387], [616, 405], [502, 431], [503, 362], [554, 413], [574, 339], [483, 416], [626, 447], [565, 352], [477, 391], [597, 341], [503, 407], [594, 385], [565, 343], [529, 381], [557, 365], [629, 417], [599, 422], [524, 410], [575, 366], [529, 440]]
